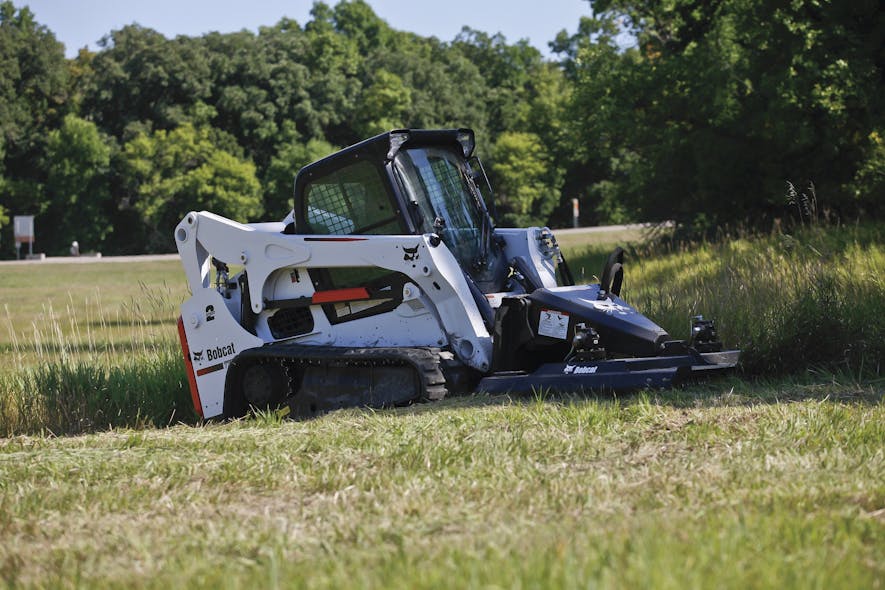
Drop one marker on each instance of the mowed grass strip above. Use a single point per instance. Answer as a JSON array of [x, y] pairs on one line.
[[720, 486]]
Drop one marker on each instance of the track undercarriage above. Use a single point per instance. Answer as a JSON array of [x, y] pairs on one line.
[[310, 380]]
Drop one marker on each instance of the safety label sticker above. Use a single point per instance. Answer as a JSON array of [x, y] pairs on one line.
[[553, 324]]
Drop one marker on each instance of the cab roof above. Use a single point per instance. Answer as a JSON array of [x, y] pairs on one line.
[[387, 144]]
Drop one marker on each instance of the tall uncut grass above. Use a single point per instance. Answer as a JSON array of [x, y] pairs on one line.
[[812, 300], [89, 368]]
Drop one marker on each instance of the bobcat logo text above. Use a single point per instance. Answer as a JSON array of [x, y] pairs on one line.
[[213, 354]]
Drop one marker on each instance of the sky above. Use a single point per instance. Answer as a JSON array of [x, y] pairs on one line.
[[80, 23]]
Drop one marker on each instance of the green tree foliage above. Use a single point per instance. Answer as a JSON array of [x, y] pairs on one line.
[[385, 104], [333, 61], [142, 77], [510, 76], [173, 172], [33, 75], [33, 83], [279, 178], [256, 86], [527, 181], [356, 21], [77, 184], [659, 109], [717, 104], [868, 185], [4, 212]]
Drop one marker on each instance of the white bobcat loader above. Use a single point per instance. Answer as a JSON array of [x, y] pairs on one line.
[[388, 283]]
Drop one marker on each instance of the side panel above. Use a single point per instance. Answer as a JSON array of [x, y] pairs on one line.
[[214, 338], [411, 324]]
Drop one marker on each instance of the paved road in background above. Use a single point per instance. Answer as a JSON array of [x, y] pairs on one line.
[[91, 259], [607, 228], [157, 257]]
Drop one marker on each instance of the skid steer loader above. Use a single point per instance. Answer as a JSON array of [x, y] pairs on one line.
[[388, 283]]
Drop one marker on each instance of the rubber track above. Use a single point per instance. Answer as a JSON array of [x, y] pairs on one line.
[[425, 361]]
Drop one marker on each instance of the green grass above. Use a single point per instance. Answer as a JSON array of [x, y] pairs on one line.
[[719, 486], [91, 346], [53, 309], [95, 346], [770, 483], [811, 300], [69, 397]]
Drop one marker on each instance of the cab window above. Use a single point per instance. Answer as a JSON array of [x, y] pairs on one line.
[[351, 200]]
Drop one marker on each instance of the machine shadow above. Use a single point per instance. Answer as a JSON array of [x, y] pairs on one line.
[[719, 393]]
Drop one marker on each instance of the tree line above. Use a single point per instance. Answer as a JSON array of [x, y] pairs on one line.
[[689, 110]]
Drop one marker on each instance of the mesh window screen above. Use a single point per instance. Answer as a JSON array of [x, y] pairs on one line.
[[348, 200], [450, 190]]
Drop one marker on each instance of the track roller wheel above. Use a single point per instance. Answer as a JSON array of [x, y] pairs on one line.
[[265, 384]]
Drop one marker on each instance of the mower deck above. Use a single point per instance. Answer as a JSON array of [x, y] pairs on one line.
[[618, 374]]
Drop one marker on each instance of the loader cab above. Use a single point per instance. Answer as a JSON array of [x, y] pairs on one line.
[[405, 182]]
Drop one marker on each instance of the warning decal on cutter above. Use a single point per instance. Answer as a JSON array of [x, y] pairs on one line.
[[553, 324]]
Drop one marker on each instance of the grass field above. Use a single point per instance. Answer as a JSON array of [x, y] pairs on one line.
[[769, 478], [727, 486], [87, 308]]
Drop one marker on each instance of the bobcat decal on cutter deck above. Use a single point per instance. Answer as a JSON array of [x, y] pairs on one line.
[[578, 370]]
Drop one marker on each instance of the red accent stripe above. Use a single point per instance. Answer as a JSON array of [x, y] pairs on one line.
[[335, 239], [211, 369], [339, 295], [189, 366]]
